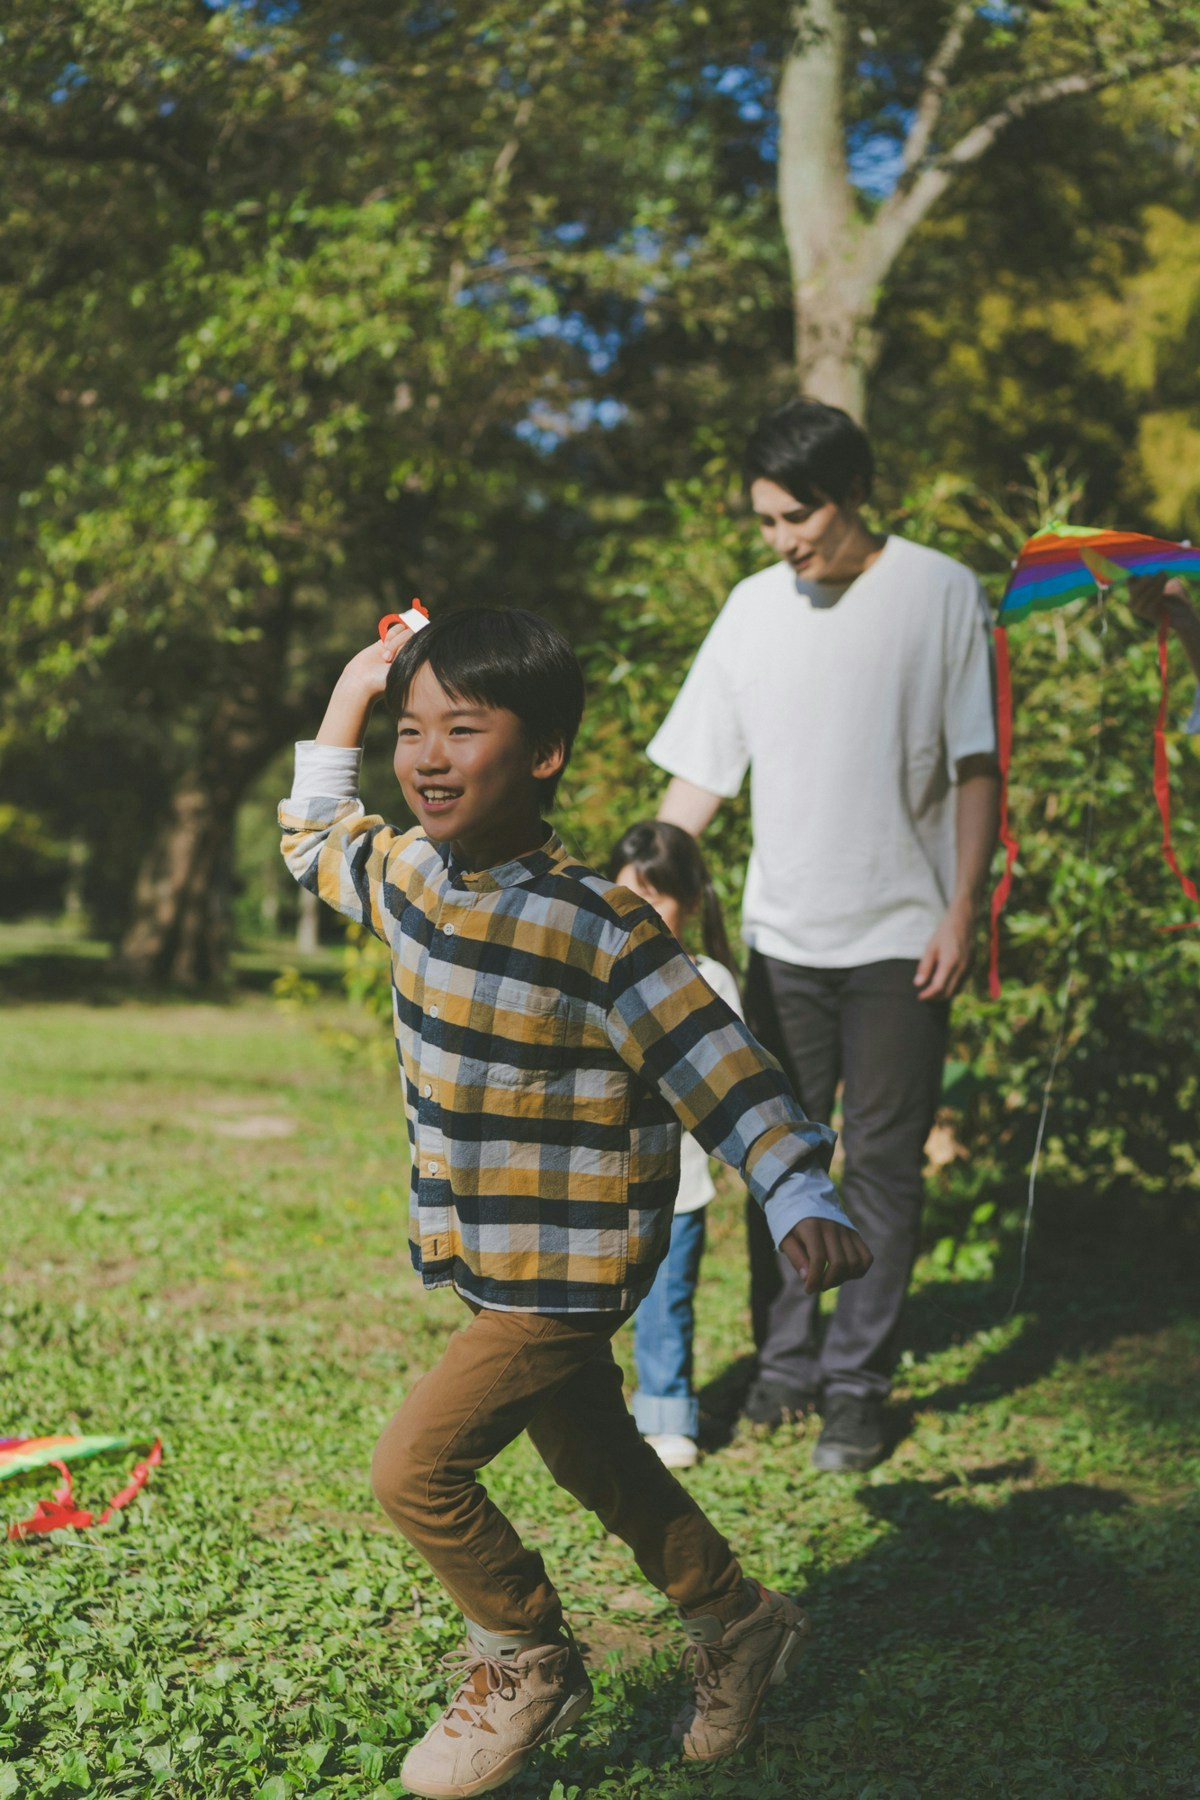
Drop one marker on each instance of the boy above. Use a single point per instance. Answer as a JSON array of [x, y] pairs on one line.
[[552, 1038]]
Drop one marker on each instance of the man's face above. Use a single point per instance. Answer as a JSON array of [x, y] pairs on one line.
[[467, 771], [817, 541]]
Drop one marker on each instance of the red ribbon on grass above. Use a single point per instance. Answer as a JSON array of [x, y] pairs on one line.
[[60, 1511]]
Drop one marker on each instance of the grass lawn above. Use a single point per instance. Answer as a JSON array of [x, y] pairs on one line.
[[202, 1234]]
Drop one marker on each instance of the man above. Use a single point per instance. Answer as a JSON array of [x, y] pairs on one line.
[[852, 678]]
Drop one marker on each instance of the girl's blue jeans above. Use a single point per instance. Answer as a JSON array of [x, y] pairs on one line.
[[664, 1328]]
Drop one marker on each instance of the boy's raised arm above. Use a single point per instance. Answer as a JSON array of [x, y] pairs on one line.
[[361, 683], [329, 843]]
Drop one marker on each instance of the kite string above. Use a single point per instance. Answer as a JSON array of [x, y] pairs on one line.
[[1072, 967]]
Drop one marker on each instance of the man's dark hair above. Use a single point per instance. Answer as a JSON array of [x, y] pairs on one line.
[[493, 656], [815, 452]]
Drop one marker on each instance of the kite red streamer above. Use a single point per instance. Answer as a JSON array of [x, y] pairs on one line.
[[1162, 777], [60, 1510], [1004, 749]]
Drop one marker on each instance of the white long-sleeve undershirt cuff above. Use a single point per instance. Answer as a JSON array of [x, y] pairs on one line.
[[804, 1194], [330, 770]]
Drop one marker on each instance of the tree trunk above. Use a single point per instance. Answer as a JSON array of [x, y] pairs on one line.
[[179, 933], [839, 259], [834, 344], [308, 924]]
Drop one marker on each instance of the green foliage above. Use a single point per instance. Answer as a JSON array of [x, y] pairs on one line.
[[303, 357], [293, 991], [368, 973], [1125, 1097], [662, 589], [1091, 907], [202, 1213], [308, 309]]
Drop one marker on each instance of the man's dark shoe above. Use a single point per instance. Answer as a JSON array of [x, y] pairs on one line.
[[769, 1403], [853, 1436]]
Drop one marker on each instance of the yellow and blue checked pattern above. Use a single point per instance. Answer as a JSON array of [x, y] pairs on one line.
[[553, 1038]]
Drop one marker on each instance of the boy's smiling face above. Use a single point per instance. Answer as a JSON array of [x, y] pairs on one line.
[[468, 772]]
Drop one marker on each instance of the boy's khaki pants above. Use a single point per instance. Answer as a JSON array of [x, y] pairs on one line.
[[553, 1376]]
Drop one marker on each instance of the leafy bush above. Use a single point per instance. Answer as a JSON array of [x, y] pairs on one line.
[[1086, 947]]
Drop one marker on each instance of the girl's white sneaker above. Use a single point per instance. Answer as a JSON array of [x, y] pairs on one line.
[[674, 1450]]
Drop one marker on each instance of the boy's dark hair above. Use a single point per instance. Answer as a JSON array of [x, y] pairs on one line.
[[815, 452], [491, 656]]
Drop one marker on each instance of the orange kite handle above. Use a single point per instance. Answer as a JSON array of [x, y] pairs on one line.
[[405, 618]]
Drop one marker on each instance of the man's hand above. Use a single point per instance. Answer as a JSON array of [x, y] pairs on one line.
[[825, 1254], [1152, 597], [942, 969], [1160, 601]]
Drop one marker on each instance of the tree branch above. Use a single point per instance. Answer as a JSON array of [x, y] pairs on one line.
[[521, 119], [902, 213], [933, 91], [15, 136], [976, 142]]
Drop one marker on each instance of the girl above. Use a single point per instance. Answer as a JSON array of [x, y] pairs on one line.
[[664, 865]]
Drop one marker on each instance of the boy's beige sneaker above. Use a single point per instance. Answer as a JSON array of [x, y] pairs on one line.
[[514, 1694], [731, 1667]]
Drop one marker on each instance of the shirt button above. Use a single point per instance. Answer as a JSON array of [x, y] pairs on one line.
[[449, 930], [433, 1012], [427, 1090], [431, 1168]]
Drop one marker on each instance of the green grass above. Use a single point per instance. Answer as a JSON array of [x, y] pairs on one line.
[[202, 1234]]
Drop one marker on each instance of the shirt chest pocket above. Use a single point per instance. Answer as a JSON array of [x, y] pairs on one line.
[[527, 1027]]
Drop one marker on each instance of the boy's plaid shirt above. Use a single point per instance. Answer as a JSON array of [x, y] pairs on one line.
[[552, 1039]]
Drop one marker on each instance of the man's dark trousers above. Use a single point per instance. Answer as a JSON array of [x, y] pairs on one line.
[[866, 1027]]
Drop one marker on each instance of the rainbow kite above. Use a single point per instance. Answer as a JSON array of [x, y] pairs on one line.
[[1061, 564], [24, 1456]]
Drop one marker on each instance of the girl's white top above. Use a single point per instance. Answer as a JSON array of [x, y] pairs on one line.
[[695, 1177]]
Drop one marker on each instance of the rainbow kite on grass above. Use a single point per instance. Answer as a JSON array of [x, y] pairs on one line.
[[25, 1456], [1077, 562]]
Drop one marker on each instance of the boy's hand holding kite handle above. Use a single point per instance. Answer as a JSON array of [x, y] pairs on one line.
[[363, 680]]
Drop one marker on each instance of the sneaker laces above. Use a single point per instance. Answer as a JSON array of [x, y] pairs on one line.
[[704, 1664], [463, 1667]]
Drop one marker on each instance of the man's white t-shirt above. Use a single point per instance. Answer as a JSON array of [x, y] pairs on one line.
[[851, 705]]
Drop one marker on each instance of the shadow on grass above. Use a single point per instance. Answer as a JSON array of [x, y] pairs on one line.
[[985, 1646], [1079, 1297], [1077, 1303]]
